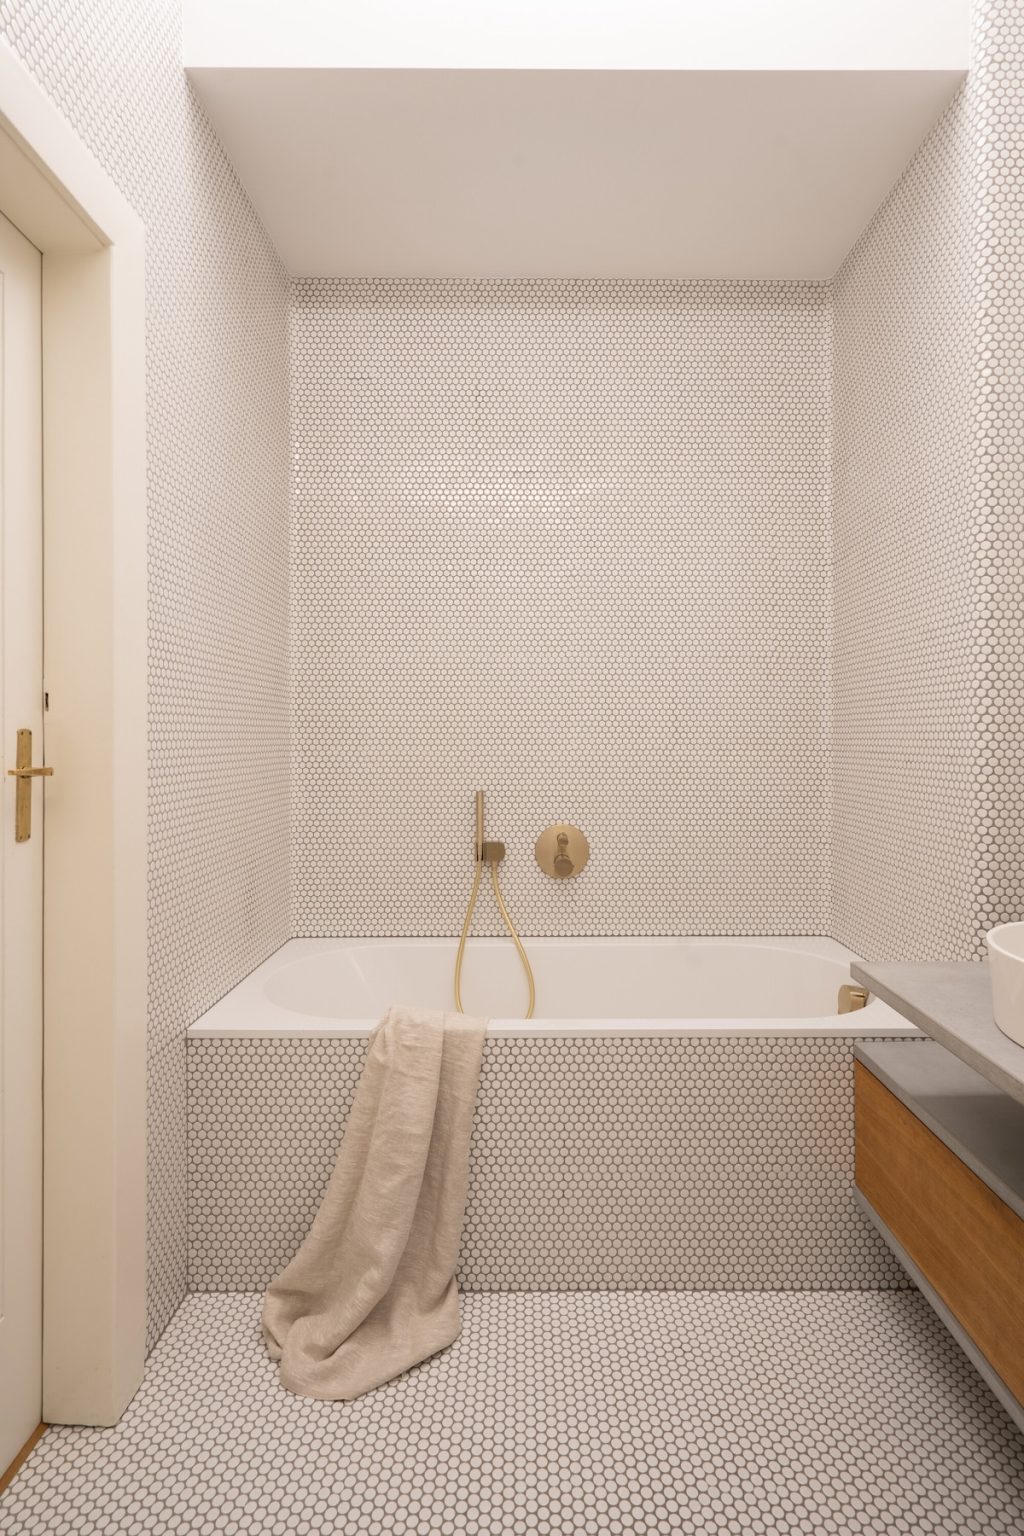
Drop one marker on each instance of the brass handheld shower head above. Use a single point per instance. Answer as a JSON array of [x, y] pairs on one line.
[[490, 854]]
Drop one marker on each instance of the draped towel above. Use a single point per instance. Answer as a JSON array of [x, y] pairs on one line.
[[372, 1289]]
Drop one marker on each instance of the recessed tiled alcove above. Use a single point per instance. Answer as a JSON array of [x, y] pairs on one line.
[[671, 526], [729, 573]]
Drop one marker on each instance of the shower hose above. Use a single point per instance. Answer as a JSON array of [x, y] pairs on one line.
[[509, 924]]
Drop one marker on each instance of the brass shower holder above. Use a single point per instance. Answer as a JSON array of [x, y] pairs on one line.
[[562, 851], [488, 855]]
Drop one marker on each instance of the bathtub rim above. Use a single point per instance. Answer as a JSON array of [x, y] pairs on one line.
[[244, 1012]]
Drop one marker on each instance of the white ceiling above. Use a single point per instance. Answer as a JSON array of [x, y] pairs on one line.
[[577, 34], [552, 173], [571, 138]]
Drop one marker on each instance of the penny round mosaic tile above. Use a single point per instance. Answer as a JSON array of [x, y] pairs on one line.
[[622, 1413], [928, 484], [217, 540], [567, 541], [595, 1163]]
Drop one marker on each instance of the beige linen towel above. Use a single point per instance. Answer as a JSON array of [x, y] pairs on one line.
[[372, 1289]]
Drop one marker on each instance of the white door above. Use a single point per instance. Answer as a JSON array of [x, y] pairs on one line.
[[21, 862]]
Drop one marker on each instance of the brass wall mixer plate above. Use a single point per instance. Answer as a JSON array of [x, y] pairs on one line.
[[562, 851]]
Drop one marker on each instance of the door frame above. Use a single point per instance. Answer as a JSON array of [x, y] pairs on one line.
[[94, 626]]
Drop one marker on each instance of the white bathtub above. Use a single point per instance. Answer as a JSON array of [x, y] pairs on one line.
[[338, 988]]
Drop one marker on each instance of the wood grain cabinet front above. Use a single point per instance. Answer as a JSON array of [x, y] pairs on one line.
[[966, 1241]]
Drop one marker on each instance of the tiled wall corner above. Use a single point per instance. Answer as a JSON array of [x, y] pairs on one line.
[[998, 570], [217, 304], [929, 539], [700, 1163], [567, 541], [902, 501]]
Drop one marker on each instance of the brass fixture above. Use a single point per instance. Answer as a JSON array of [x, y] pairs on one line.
[[851, 998], [490, 854], [562, 851], [24, 773]]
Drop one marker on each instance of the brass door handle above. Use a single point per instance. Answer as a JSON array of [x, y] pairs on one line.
[[24, 773]]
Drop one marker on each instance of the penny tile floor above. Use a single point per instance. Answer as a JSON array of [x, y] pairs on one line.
[[719, 1413]]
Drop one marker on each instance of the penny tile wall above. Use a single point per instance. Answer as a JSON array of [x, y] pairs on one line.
[[569, 542], [929, 534], [669, 1163], [217, 412]]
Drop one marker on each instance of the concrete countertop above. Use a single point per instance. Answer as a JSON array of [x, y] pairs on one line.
[[952, 1004]]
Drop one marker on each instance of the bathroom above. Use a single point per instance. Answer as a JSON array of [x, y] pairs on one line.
[[567, 456]]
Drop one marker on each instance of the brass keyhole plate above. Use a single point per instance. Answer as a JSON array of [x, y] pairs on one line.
[[562, 851]]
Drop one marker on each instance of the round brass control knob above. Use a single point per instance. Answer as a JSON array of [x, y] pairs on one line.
[[562, 851]]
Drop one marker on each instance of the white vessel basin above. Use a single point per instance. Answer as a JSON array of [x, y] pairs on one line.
[[1006, 957]]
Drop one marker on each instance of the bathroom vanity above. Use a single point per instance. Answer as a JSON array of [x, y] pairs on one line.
[[940, 1159]]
